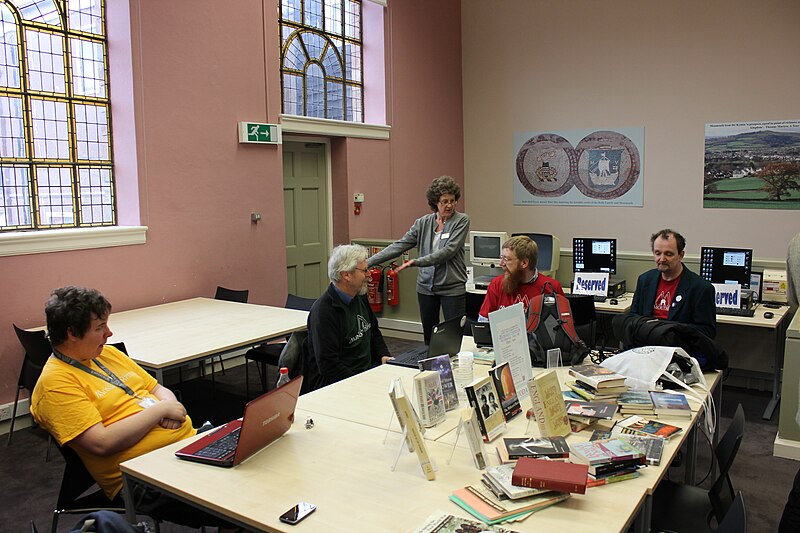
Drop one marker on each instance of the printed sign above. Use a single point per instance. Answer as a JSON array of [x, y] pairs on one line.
[[728, 295], [594, 283]]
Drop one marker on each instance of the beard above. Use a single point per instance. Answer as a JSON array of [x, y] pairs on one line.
[[363, 290], [512, 281]]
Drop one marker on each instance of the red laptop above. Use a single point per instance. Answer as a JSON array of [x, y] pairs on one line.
[[265, 419]]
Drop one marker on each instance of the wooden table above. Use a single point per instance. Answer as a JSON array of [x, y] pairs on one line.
[[170, 335], [343, 465]]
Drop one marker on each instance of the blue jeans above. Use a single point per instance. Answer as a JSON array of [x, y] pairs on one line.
[[431, 304]]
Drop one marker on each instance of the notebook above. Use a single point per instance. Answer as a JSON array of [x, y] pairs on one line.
[[265, 419], [445, 339]]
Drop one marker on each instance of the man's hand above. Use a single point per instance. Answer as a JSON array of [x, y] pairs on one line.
[[385, 359]]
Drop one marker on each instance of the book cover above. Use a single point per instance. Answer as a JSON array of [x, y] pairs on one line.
[[500, 476], [607, 469], [552, 475], [408, 420], [652, 447], [591, 409], [548, 405], [506, 391], [395, 391], [635, 398], [481, 503], [430, 399], [483, 397], [669, 404], [441, 364], [622, 476], [637, 425], [599, 434], [440, 522], [597, 376], [515, 447], [595, 452], [472, 432]]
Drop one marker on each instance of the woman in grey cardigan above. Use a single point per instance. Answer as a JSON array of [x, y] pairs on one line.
[[439, 238]]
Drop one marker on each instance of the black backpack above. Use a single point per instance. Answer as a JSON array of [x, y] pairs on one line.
[[550, 325]]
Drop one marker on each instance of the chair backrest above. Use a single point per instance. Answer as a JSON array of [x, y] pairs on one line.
[[119, 346], [76, 479], [299, 303], [37, 350], [582, 308], [736, 519], [721, 493], [232, 295], [292, 354]]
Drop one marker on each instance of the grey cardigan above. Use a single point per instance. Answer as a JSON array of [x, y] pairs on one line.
[[448, 259]]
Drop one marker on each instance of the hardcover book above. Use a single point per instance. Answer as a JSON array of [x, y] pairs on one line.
[[597, 376], [591, 409], [636, 425], [669, 404], [512, 448], [441, 364], [552, 475], [506, 391], [548, 405], [472, 432], [430, 399], [483, 397]]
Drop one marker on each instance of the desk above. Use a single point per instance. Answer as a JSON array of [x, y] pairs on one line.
[[174, 334], [342, 465]]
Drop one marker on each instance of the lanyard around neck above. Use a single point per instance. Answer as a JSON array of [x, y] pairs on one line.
[[108, 377]]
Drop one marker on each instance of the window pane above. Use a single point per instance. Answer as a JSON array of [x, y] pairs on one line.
[[295, 56], [88, 68], [313, 13], [333, 16], [50, 137], [315, 92], [12, 136], [9, 49], [91, 132], [290, 10], [54, 190], [335, 101], [45, 61], [15, 210], [39, 11], [314, 44], [292, 94], [353, 61], [332, 64], [352, 19], [85, 15], [96, 195], [354, 99]]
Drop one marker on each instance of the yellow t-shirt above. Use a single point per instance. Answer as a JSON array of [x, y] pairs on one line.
[[67, 401]]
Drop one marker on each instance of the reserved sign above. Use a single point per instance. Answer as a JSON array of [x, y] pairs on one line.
[[728, 295], [594, 283]]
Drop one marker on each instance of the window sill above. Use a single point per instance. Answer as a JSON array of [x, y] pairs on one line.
[[336, 128], [39, 242]]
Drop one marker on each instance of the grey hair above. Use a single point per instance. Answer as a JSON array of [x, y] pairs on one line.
[[345, 258]]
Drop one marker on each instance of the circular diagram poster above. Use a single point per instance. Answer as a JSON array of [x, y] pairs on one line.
[[608, 165], [546, 165]]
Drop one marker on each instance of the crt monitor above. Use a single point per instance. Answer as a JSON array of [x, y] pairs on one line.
[[549, 251], [594, 255], [485, 247], [726, 265]]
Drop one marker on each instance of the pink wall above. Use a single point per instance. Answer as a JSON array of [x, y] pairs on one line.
[[198, 69]]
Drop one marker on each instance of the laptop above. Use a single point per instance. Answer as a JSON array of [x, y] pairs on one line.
[[265, 419], [445, 339], [482, 334]]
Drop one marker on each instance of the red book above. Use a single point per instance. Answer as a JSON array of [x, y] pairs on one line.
[[550, 475]]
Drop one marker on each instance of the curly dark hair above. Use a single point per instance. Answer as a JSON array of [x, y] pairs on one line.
[[438, 187], [680, 242], [71, 310]]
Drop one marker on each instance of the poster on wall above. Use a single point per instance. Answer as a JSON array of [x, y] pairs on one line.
[[752, 165], [579, 167]]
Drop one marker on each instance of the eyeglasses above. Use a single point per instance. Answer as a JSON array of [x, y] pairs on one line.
[[364, 270], [448, 202]]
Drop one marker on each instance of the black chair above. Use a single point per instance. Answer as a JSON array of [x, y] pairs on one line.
[[692, 508], [229, 295], [37, 350], [292, 354], [269, 354], [736, 519], [584, 317], [73, 497]]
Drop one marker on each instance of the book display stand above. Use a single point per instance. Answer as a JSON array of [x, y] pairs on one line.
[[412, 431]]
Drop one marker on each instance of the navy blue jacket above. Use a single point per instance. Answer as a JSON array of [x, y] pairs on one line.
[[692, 304]]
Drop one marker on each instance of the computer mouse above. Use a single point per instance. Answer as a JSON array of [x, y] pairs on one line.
[[768, 314], [613, 301]]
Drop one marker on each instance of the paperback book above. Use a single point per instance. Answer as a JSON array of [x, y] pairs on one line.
[[472, 432], [652, 447], [591, 409], [636, 425], [441, 522], [441, 364], [512, 448], [500, 476], [597, 376], [482, 504], [483, 397], [636, 403], [589, 393], [596, 452], [551, 475], [671, 404], [619, 476], [410, 423], [549, 410], [506, 391], [430, 399]]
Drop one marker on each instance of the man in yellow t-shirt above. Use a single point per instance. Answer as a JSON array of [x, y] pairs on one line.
[[96, 400]]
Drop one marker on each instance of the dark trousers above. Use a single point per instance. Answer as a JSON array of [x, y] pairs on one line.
[[430, 305], [790, 521]]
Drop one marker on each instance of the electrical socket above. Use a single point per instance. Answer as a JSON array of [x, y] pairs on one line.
[[5, 411]]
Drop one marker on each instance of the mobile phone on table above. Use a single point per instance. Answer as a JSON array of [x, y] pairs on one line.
[[298, 512]]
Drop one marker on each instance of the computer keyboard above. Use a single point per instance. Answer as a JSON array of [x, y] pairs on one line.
[[730, 311], [599, 299], [221, 448], [410, 358]]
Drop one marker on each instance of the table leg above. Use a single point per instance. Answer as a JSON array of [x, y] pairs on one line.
[[641, 523], [127, 487], [780, 346]]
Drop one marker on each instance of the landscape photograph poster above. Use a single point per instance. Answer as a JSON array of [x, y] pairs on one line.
[[752, 165], [579, 167]]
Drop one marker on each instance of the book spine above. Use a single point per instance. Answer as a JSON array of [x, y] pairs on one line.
[[538, 406], [613, 479], [422, 403], [473, 438], [599, 470]]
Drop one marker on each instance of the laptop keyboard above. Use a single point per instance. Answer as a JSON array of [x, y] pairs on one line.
[[733, 311], [221, 448], [411, 357]]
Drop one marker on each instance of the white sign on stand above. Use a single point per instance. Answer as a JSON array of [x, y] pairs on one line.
[[728, 295], [510, 341], [594, 283]]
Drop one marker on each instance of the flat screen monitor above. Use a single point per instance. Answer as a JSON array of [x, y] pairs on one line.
[[594, 255], [726, 265], [549, 251], [485, 247]]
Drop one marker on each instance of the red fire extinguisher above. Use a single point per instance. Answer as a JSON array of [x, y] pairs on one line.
[[374, 289], [392, 286]]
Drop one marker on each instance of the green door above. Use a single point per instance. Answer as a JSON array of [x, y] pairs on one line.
[[305, 200]]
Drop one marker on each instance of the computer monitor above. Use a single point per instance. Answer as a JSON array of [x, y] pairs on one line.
[[594, 255], [549, 251], [485, 247], [726, 265]]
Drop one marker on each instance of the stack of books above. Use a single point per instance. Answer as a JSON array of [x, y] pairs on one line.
[[584, 414], [595, 382], [652, 447], [636, 403], [510, 449], [550, 475], [671, 404], [608, 460]]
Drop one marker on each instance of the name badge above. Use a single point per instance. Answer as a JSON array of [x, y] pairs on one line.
[[444, 235], [147, 402]]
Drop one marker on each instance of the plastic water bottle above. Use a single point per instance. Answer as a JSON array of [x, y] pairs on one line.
[[283, 377]]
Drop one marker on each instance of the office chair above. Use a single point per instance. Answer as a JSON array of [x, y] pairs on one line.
[[37, 350], [584, 317], [228, 295], [692, 508], [736, 519], [292, 354], [269, 354]]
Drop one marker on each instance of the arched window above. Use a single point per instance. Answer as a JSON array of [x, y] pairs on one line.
[[56, 167], [321, 59]]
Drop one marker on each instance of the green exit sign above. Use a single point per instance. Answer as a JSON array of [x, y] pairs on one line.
[[254, 132]]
